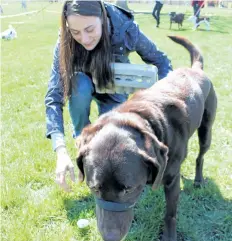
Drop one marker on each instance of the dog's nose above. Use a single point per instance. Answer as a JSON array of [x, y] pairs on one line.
[[112, 236]]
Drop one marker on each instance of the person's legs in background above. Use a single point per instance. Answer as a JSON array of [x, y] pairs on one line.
[[196, 9], [80, 101], [159, 7], [154, 12]]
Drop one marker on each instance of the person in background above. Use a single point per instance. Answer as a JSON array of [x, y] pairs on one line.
[[93, 35], [156, 11], [1, 10], [197, 6], [24, 4]]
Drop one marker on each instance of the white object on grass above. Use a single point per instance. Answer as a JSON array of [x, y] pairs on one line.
[[83, 223], [9, 34], [196, 24]]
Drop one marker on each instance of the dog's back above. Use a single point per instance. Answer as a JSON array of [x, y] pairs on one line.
[[202, 96], [176, 18], [180, 18], [185, 89]]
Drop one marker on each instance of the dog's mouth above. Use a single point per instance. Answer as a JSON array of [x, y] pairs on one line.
[[113, 225], [114, 219]]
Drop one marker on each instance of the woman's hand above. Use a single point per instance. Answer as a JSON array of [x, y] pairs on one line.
[[64, 165]]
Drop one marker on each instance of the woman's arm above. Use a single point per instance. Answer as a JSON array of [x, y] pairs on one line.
[[150, 54], [54, 101], [136, 40]]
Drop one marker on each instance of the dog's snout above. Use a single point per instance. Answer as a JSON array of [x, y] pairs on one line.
[[112, 236]]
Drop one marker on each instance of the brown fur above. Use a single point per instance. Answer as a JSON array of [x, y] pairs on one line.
[[144, 141]]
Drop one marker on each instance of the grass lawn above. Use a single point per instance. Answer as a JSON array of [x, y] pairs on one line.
[[33, 208]]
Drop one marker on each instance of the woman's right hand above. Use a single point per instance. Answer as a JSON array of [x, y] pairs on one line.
[[64, 165]]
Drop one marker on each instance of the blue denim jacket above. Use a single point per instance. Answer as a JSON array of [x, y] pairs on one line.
[[126, 37]]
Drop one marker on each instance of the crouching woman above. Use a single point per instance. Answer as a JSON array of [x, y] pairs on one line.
[[93, 35]]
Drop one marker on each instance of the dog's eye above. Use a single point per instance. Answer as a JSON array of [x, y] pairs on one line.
[[128, 189], [96, 188]]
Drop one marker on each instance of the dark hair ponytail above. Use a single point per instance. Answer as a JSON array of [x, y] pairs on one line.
[[75, 58]]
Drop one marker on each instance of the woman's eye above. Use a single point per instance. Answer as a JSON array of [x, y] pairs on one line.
[[74, 33], [89, 30]]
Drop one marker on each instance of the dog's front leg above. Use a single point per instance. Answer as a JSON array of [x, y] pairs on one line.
[[172, 191]]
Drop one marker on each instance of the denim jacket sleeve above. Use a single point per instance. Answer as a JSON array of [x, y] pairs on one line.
[[150, 54], [54, 100]]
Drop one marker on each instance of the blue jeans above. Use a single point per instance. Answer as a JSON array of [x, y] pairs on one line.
[[196, 9], [156, 12], [81, 98]]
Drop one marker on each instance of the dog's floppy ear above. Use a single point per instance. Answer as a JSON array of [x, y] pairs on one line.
[[81, 174], [79, 161], [82, 144], [156, 155]]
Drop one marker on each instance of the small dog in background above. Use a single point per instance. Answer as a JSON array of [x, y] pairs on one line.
[[176, 18], [9, 34], [198, 21]]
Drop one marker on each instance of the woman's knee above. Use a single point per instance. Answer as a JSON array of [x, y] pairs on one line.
[[83, 85], [82, 92]]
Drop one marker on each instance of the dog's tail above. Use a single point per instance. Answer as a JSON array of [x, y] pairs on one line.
[[196, 57]]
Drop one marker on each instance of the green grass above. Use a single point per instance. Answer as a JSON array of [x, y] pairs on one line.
[[33, 208]]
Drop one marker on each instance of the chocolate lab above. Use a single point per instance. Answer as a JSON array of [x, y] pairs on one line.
[[176, 18], [144, 141]]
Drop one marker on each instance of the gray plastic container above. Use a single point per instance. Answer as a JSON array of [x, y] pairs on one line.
[[131, 77]]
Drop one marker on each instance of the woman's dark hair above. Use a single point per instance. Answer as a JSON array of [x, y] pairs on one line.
[[75, 58]]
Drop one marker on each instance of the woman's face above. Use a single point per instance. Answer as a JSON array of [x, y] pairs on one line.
[[86, 30]]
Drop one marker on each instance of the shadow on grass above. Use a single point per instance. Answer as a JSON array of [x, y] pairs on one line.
[[203, 214], [81, 208], [209, 214], [177, 29], [77, 208], [202, 29]]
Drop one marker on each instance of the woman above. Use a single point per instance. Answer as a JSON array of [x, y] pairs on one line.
[[93, 34]]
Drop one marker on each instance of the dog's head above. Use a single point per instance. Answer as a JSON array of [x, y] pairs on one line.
[[117, 157], [172, 14]]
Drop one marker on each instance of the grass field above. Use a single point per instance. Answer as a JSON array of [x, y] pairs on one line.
[[33, 208]]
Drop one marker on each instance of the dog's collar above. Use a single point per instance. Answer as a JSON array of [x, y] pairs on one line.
[[113, 206]]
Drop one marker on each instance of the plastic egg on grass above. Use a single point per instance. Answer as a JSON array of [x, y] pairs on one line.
[[82, 223]]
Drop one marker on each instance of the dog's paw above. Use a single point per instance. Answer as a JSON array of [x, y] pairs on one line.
[[163, 237], [168, 239]]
